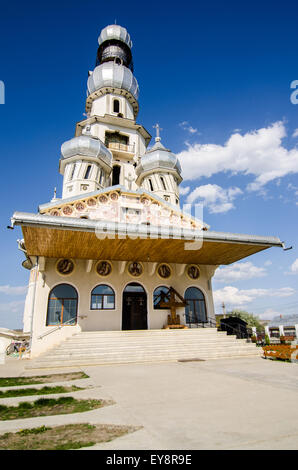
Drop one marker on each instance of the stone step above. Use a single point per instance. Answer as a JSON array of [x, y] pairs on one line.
[[153, 346], [118, 347], [146, 341], [152, 352], [164, 332], [50, 363]]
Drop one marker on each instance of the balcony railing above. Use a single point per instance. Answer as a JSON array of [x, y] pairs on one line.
[[121, 147]]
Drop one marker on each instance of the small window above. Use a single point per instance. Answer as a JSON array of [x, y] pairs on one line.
[[163, 183], [159, 295], [88, 171], [150, 184], [116, 106], [72, 171], [102, 177], [102, 298], [116, 175]]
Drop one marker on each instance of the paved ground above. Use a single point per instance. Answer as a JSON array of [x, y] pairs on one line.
[[245, 403]]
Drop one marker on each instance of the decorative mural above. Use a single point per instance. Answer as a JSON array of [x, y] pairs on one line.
[[130, 208]]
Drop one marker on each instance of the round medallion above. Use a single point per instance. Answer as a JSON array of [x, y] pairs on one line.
[[67, 210], [103, 268], [91, 202], [145, 201], [164, 271], [103, 199], [55, 213], [193, 271], [65, 266], [114, 196], [135, 269], [80, 206]]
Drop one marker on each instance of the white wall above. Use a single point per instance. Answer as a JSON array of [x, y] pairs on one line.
[[104, 105], [84, 282]]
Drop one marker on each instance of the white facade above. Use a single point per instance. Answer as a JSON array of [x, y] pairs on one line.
[[85, 278], [109, 175]]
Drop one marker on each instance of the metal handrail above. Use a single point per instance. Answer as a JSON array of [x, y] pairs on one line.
[[202, 324], [237, 330], [58, 327]]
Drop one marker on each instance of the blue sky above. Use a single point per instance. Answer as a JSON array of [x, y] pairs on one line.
[[215, 76]]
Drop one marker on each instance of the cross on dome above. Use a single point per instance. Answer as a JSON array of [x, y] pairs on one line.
[[158, 129]]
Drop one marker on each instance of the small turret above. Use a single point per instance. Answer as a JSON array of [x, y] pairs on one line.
[[159, 171], [85, 163]]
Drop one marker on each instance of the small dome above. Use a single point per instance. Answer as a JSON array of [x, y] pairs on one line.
[[87, 146], [114, 31], [158, 157], [110, 74]]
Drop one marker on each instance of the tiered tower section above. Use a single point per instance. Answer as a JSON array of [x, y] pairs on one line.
[[109, 147]]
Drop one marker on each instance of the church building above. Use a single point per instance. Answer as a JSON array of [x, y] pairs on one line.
[[116, 251]]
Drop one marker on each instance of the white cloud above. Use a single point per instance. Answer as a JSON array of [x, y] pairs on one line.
[[11, 314], [184, 190], [294, 267], [187, 127], [239, 272], [259, 153], [13, 290], [234, 297], [16, 306], [268, 314], [216, 198], [295, 133], [268, 263]]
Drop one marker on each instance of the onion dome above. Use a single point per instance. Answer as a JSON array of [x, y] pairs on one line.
[[111, 74], [86, 145], [158, 157], [117, 32]]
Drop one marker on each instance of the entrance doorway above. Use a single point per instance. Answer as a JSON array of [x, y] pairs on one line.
[[134, 309]]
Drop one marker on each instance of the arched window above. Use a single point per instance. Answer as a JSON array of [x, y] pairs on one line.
[[116, 106], [62, 305], [195, 310], [102, 298], [159, 296], [163, 183], [72, 171], [87, 174], [150, 184]]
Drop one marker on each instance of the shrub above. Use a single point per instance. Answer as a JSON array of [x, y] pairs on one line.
[[65, 400], [39, 430], [25, 405]]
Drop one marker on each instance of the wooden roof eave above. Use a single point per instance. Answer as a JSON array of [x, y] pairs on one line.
[[55, 237]]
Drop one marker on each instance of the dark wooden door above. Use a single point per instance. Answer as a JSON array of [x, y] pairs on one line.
[[134, 311]]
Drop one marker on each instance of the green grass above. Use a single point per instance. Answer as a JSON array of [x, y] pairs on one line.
[[70, 436], [40, 379], [49, 407], [22, 392]]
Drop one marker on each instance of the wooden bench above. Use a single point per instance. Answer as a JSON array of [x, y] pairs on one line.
[[280, 351]]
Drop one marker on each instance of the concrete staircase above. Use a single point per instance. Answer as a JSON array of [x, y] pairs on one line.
[[116, 347]]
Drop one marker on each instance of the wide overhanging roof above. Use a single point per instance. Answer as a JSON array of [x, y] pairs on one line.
[[55, 237]]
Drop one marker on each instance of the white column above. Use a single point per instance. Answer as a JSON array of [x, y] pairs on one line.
[[296, 329], [267, 331], [281, 330]]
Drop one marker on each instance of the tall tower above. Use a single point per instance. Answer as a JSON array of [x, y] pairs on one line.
[[109, 147], [109, 143]]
